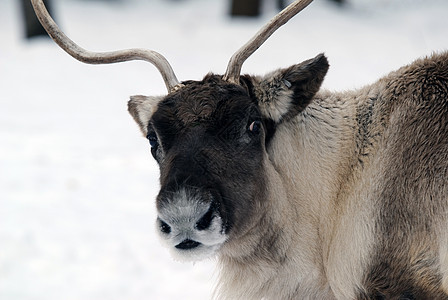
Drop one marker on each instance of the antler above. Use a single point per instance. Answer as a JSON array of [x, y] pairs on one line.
[[89, 57], [236, 61]]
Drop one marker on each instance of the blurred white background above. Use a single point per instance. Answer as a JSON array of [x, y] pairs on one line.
[[77, 181]]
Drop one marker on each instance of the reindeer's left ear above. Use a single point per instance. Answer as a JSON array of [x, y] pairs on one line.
[[282, 94], [141, 109]]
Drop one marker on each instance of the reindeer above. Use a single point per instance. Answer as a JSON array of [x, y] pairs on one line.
[[301, 193]]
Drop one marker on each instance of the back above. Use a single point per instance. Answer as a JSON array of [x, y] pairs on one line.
[[410, 255]]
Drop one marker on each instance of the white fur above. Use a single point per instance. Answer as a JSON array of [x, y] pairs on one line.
[[275, 95], [142, 108], [183, 210], [275, 110]]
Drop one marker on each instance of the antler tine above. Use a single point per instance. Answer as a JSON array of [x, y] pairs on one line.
[[89, 57], [236, 61]]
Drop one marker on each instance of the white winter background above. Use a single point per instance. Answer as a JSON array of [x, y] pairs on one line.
[[77, 181]]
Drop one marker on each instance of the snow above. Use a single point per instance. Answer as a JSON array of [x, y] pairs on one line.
[[77, 182]]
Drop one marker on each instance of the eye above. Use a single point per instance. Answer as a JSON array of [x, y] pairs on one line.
[[255, 127], [152, 138], [154, 142]]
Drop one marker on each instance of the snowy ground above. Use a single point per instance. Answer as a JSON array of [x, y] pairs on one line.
[[77, 182]]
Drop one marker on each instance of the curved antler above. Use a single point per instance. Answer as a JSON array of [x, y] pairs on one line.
[[89, 57], [236, 61]]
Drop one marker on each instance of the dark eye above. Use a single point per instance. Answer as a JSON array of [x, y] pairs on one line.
[[255, 127], [152, 138]]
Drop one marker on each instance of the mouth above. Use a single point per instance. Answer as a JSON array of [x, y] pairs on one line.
[[192, 251], [187, 245]]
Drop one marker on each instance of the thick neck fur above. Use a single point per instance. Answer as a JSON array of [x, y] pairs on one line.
[[330, 192], [308, 160]]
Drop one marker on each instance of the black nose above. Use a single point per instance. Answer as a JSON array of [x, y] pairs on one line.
[[164, 227], [187, 245], [206, 220]]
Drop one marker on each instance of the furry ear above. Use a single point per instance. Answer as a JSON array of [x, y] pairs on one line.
[[141, 109], [284, 93]]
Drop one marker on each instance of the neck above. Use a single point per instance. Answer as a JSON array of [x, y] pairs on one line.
[[310, 159]]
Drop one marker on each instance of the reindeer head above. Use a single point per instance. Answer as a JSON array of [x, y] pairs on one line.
[[210, 137]]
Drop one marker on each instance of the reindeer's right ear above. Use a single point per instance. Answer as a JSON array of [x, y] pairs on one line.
[[284, 93], [142, 108]]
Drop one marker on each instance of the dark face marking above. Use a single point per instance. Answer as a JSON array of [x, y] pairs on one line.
[[210, 141]]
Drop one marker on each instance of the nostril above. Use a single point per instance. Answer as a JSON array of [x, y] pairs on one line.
[[164, 227], [187, 244], [206, 220]]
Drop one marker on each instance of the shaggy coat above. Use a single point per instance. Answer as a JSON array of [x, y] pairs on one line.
[[307, 194]]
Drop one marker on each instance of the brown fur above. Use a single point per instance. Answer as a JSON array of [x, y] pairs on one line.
[[414, 191]]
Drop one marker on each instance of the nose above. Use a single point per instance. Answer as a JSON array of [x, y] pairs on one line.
[[206, 220], [190, 222], [203, 223]]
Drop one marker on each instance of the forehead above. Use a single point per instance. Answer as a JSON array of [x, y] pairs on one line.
[[198, 102]]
